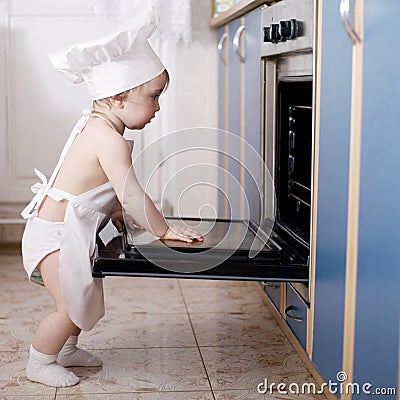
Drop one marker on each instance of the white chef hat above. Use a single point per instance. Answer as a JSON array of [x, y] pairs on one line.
[[114, 63]]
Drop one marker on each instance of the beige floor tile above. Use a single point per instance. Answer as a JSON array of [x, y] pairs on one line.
[[244, 367], [18, 397], [140, 331], [228, 297], [213, 283], [18, 335], [141, 396], [143, 370], [13, 381], [20, 313], [11, 269], [135, 283], [150, 300], [254, 395], [223, 329], [11, 262], [149, 345]]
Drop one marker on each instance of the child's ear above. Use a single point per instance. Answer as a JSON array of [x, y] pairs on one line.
[[117, 102]]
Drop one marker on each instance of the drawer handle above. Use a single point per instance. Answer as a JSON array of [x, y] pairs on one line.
[[270, 285], [291, 316]]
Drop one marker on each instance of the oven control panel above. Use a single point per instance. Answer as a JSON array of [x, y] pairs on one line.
[[287, 26], [285, 30]]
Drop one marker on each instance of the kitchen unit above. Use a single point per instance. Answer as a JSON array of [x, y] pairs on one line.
[[347, 317]]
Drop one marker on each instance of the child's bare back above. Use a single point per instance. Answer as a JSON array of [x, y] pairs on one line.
[[81, 170]]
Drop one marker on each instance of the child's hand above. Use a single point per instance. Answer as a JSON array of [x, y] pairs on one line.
[[117, 219], [176, 232]]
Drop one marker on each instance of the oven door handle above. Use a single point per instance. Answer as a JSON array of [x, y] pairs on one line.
[[349, 27], [221, 46], [236, 42]]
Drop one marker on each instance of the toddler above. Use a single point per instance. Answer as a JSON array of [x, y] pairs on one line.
[[92, 182]]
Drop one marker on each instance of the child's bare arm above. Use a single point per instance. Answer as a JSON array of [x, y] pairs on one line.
[[115, 159]]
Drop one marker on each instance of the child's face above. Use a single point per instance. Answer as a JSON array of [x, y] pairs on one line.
[[142, 104]]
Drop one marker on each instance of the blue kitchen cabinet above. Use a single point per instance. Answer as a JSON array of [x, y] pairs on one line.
[[374, 352], [235, 119], [241, 99], [373, 344], [376, 338], [333, 171], [222, 71], [296, 314], [253, 133]]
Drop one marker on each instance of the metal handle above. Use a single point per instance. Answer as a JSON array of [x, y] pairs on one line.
[[236, 40], [270, 285], [344, 13], [293, 317], [221, 46]]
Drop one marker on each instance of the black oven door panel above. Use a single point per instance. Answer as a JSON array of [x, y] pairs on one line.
[[280, 259], [294, 156]]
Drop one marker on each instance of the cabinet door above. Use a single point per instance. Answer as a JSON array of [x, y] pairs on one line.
[[223, 59], [235, 120], [273, 291], [253, 102], [241, 100], [333, 170], [296, 314], [376, 340]]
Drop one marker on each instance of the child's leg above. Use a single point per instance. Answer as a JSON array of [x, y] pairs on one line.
[[55, 328], [56, 332], [51, 334]]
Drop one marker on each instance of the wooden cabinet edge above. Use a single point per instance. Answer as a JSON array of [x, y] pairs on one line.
[[238, 10]]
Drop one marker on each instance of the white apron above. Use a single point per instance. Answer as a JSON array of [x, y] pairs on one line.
[[75, 237]]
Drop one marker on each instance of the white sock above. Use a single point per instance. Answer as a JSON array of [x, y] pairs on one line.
[[72, 356], [43, 368]]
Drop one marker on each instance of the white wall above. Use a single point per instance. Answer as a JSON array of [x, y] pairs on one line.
[[197, 106]]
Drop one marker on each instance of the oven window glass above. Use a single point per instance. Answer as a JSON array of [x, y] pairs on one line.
[[294, 157]]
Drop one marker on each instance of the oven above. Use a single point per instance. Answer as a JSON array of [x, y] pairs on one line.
[[282, 236], [288, 117]]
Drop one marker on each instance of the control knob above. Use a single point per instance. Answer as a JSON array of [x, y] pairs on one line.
[[288, 29], [275, 35], [285, 30]]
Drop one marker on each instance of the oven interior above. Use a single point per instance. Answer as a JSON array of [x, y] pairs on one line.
[[293, 158]]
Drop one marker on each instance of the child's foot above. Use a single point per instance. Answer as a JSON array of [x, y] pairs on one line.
[[43, 368], [72, 356]]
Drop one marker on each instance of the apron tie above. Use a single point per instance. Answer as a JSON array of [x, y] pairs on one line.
[[41, 188]]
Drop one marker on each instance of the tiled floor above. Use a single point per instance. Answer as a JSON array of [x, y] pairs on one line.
[[161, 339]]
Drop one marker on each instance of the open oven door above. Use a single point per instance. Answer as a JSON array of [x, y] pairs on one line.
[[224, 254]]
